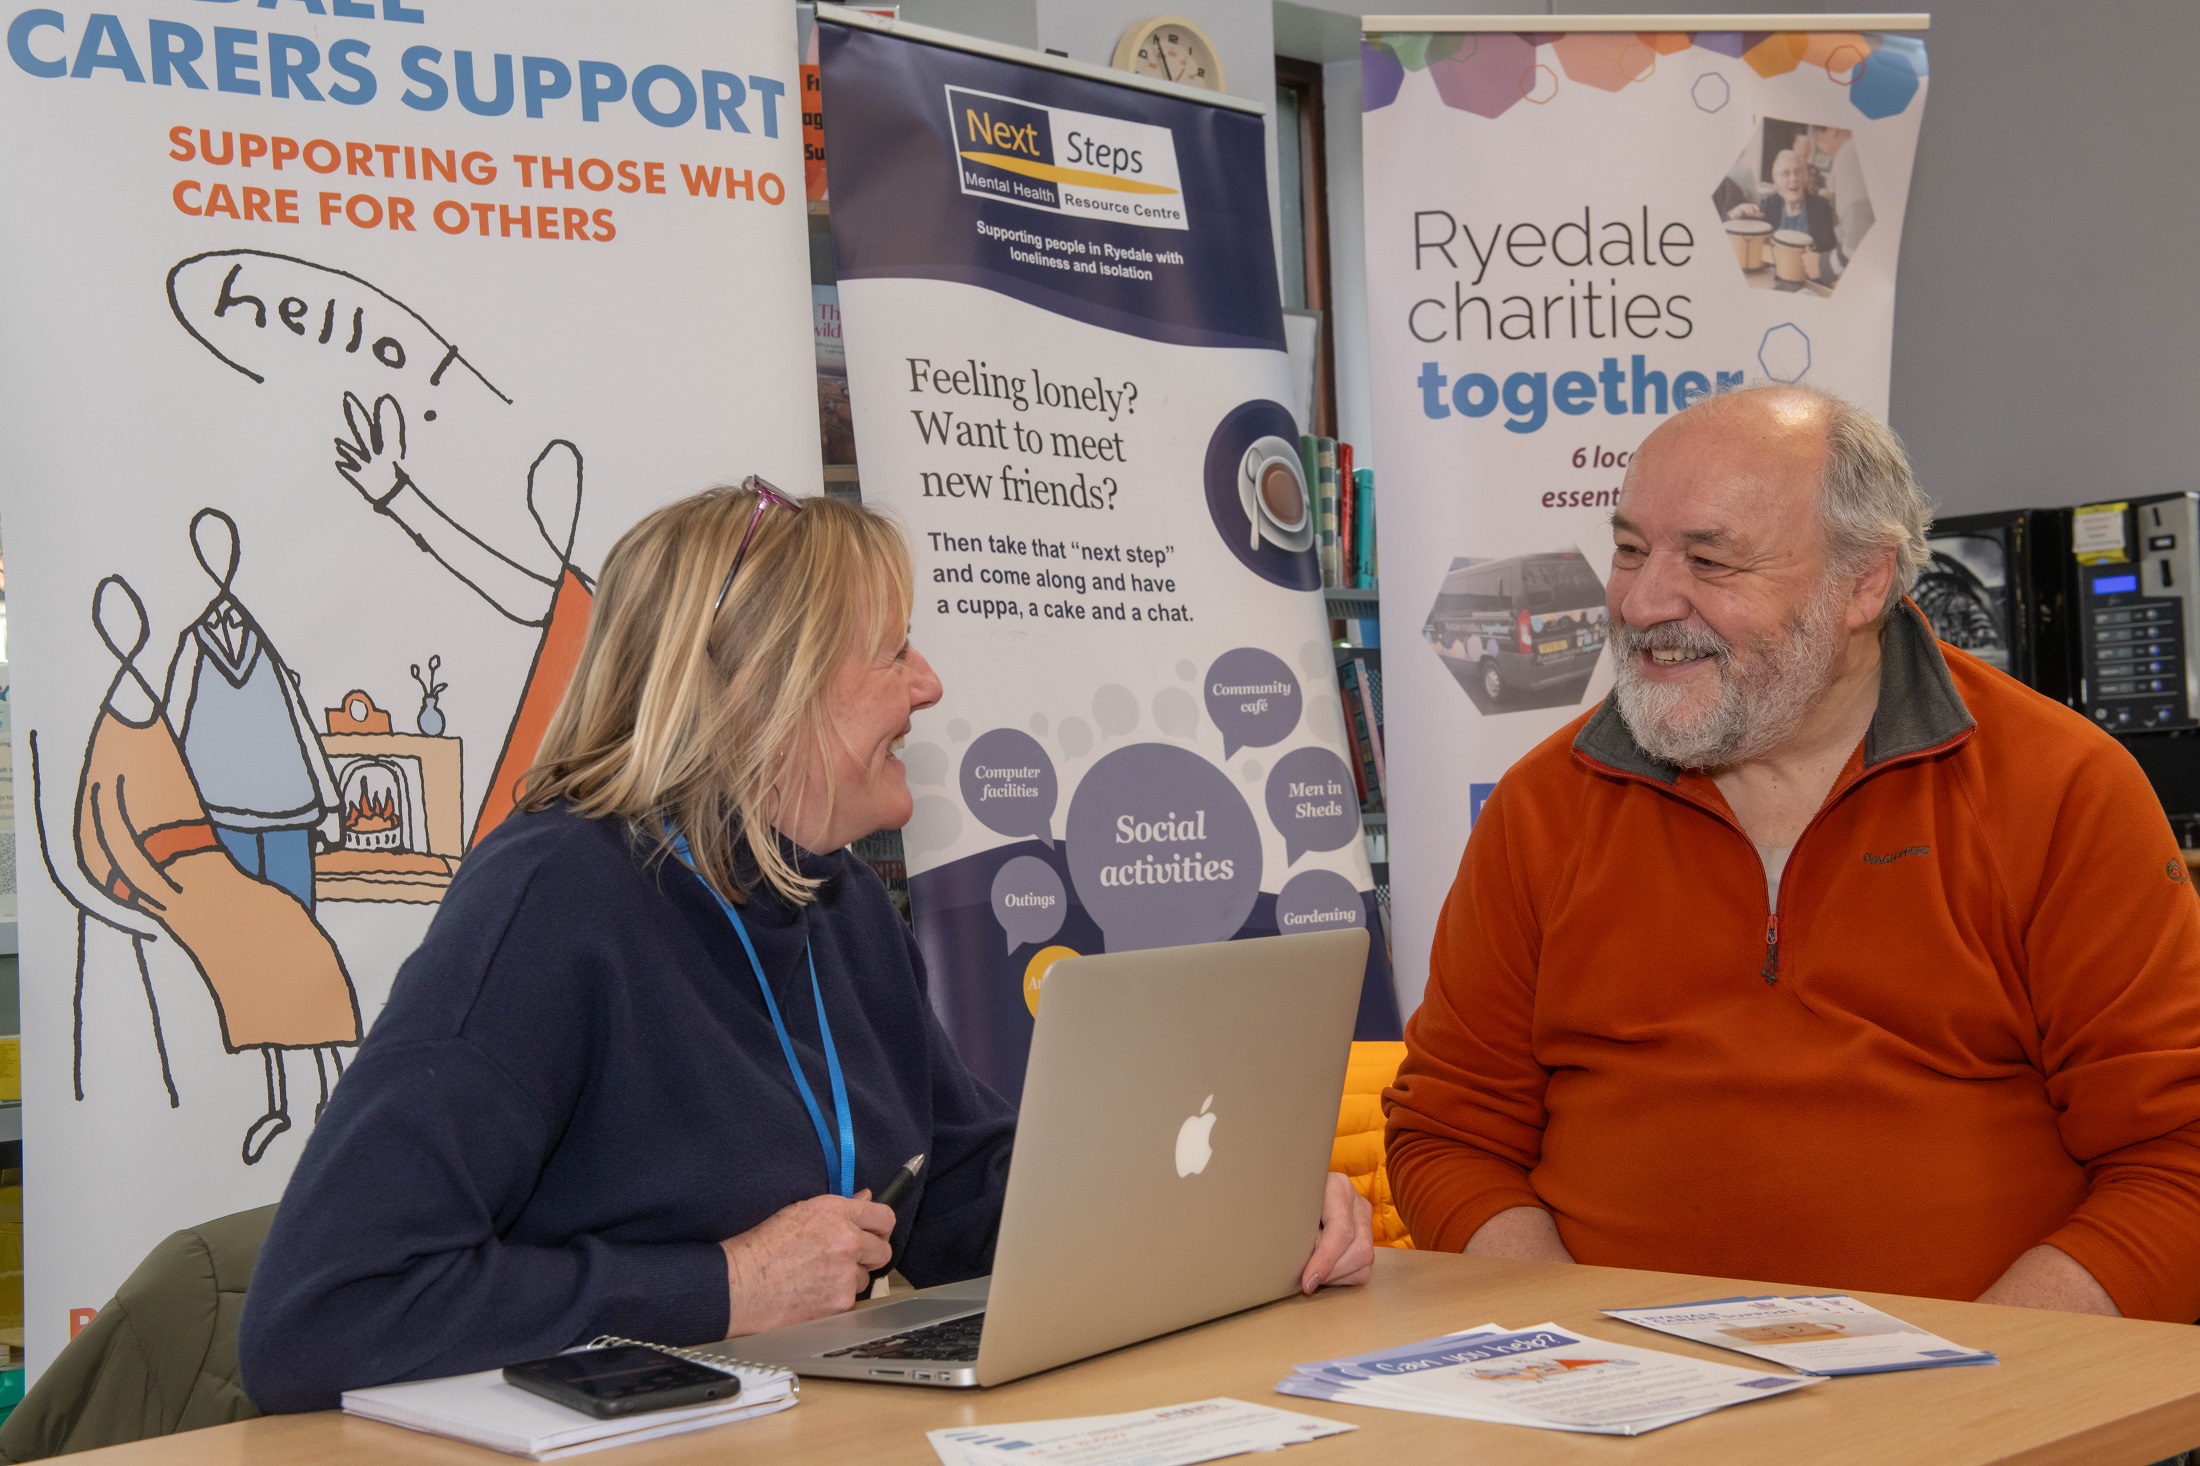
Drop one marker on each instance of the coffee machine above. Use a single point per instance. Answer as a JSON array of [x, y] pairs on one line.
[[2003, 587], [2139, 611]]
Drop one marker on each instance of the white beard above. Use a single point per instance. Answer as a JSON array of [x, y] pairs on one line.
[[1763, 696]]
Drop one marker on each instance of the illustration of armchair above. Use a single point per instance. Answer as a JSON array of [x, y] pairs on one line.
[[119, 617]]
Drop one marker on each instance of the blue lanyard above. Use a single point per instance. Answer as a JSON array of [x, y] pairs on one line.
[[841, 1158]]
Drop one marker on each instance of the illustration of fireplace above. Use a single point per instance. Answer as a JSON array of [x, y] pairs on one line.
[[404, 823], [383, 802]]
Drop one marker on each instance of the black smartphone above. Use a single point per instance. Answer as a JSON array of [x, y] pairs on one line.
[[625, 1379]]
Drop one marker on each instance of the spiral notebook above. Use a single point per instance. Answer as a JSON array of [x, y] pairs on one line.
[[483, 1410]]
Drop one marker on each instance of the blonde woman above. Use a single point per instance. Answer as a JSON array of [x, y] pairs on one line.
[[665, 1033]]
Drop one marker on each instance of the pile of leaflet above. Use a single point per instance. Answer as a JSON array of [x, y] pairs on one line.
[[1177, 1435], [1825, 1333], [1546, 1376]]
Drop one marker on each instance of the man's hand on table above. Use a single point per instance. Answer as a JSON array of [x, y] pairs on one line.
[[1345, 1251], [2048, 1277], [1522, 1234]]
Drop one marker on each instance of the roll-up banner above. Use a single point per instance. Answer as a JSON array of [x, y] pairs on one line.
[[1571, 235], [337, 344], [1066, 361]]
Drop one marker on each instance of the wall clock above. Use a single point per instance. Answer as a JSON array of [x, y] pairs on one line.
[[1171, 49]]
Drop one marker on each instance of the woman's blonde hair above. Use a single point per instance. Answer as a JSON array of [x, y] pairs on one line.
[[682, 717]]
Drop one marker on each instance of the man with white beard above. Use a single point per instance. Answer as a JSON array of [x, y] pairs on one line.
[[1818, 953]]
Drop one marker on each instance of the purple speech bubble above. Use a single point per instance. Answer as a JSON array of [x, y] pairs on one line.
[[1163, 850], [1028, 900], [1312, 802], [1253, 697], [1008, 782], [1318, 901]]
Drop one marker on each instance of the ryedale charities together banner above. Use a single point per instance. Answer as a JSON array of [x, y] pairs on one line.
[[338, 343], [1065, 356], [1569, 237]]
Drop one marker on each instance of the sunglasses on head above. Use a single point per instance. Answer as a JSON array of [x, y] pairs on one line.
[[766, 496]]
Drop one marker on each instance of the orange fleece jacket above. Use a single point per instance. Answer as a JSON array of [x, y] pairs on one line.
[[1974, 1028]]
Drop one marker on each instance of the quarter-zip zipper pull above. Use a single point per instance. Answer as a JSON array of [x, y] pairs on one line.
[[1772, 948]]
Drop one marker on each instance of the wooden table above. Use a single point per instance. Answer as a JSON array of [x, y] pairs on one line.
[[2070, 1388]]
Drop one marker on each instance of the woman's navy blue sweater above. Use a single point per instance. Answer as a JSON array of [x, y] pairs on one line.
[[575, 1092]]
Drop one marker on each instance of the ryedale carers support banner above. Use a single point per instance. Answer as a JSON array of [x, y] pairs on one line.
[[1065, 358], [338, 342], [1572, 235]]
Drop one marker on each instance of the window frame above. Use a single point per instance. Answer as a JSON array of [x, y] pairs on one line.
[[1304, 80]]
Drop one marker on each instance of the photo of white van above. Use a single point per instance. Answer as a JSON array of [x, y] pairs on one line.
[[1524, 631]]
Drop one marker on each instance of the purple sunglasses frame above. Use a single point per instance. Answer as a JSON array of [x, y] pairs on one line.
[[766, 496]]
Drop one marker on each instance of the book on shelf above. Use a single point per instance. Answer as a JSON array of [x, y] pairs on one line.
[[1361, 737], [813, 128], [1325, 500], [813, 96], [1344, 516], [1364, 674], [1352, 742], [813, 106], [835, 421], [1363, 528]]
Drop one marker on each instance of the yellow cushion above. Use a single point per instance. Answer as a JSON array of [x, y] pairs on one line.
[[1358, 1151]]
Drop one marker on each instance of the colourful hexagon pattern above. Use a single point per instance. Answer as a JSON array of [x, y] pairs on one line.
[[1607, 60], [1488, 73]]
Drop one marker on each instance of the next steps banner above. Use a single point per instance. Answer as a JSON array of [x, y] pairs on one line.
[[1065, 359]]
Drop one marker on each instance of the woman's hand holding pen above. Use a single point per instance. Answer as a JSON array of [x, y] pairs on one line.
[[806, 1261]]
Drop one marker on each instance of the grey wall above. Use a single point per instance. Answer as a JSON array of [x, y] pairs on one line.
[[2062, 361], [1011, 22]]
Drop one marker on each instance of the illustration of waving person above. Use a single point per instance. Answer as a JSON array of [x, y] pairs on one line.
[[526, 586], [436, 451]]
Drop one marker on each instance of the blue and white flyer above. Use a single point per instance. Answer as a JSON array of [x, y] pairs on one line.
[[1066, 365], [1547, 1377], [1175, 1435], [1830, 1333]]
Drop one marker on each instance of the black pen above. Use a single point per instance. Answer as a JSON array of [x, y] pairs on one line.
[[894, 1190]]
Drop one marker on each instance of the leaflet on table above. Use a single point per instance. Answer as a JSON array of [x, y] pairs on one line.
[[1176, 1435], [1829, 1333], [1546, 1376]]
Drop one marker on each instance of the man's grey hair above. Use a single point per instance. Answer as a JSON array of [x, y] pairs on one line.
[[1869, 497]]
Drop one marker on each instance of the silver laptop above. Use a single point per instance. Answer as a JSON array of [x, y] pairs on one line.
[[1185, 1096]]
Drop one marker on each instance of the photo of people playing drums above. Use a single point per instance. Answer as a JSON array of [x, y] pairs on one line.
[[1795, 206]]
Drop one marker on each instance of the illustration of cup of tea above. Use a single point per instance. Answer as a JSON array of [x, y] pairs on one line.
[[1272, 484]]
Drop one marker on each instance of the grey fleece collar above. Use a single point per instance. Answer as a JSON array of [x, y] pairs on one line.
[[1919, 707]]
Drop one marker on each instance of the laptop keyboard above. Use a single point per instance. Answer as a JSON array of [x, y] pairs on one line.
[[954, 1340]]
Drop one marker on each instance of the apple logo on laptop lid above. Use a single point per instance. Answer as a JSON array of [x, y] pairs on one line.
[[1194, 1147]]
